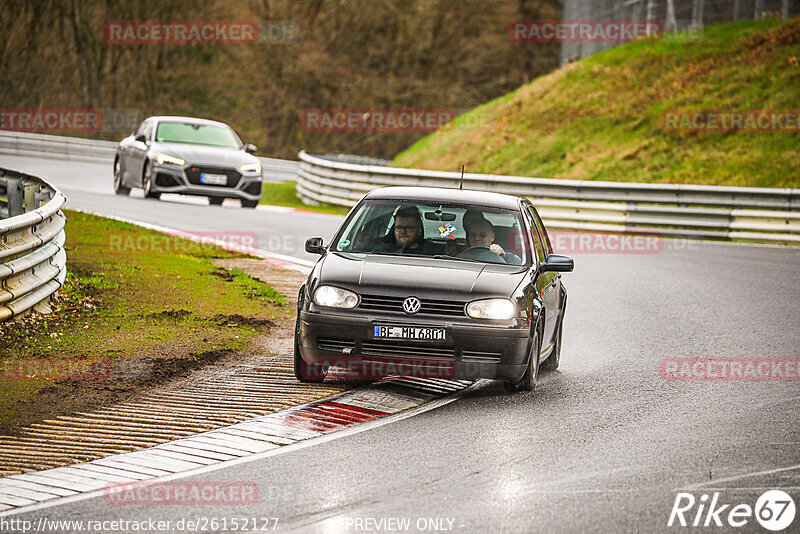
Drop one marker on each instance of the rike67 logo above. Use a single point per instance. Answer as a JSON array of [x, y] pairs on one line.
[[774, 510]]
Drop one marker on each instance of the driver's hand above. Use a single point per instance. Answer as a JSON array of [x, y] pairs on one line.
[[497, 249]]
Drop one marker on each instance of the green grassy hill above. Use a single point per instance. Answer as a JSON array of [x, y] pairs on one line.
[[601, 118]]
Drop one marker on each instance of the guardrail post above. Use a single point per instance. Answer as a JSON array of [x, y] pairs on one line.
[[15, 197], [30, 197]]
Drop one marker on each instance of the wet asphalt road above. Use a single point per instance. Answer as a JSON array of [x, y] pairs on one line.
[[603, 445]]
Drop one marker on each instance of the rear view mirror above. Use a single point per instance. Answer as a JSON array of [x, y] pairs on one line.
[[141, 138], [439, 216], [314, 245], [557, 263], [250, 149]]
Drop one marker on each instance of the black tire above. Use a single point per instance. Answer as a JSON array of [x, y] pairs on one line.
[[216, 201], [528, 380], [552, 362], [301, 371], [147, 182], [249, 203], [119, 189]]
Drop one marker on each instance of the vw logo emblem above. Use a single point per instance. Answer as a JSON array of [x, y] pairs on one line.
[[411, 305]]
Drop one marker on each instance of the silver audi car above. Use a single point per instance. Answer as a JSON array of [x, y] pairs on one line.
[[188, 156]]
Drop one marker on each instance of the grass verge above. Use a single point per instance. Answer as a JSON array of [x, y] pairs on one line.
[[138, 308], [602, 118], [285, 194]]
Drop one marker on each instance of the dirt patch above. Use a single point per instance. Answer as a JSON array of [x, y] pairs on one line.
[[237, 320], [173, 314], [222, 273], [126, 379]]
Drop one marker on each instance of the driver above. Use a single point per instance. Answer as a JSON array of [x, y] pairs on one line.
[[407, 235], [480, 233]]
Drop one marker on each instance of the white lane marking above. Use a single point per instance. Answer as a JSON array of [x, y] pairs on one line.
[[700, 485], [290, 262], [355, 429]]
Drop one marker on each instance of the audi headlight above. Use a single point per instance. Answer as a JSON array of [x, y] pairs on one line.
[[333, 297], [251, 167], [163, 158], [492, 309]]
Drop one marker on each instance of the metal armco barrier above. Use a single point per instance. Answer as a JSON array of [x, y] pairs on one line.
[[91, 150], [32, 257], [674, 210]]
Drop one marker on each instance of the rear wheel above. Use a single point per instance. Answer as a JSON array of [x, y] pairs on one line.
[[528, 381], [249, 203], [216, 201], [147, 182], [304, 372], [119, 189]]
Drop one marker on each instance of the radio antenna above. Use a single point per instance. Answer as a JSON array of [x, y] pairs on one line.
[[461, 185]]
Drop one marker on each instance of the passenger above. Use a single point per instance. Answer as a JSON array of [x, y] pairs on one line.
[[407, 235], [480, 233]]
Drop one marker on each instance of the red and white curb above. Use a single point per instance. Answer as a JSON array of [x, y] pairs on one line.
[[336, 416]]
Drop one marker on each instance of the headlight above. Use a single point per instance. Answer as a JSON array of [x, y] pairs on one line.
[[163, 158], [251, 167], [333, 297], [492, 309]]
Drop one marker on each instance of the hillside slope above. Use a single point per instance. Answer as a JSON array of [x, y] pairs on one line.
[[603, 118]]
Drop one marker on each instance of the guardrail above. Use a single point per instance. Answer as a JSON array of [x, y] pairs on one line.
[[674, 210], [92, 150], [32, 257]]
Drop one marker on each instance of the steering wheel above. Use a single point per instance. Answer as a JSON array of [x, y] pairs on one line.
[[480, 253]]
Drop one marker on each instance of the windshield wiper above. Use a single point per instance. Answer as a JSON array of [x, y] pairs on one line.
[[445, 257]]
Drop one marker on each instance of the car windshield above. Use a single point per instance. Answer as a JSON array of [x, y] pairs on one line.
[[196, 134], [430, 228]]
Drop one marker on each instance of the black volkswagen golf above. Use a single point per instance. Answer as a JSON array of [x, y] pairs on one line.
[[433, 283]]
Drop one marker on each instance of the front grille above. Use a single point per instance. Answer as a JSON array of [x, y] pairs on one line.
[[336, 345], [480, 357], [193, 174], [405, 349], [166, 180], [429, 306]]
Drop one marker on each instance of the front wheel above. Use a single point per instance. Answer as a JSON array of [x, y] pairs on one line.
[[119, 189], [304, 372], [249, 203], [147, 182], [528, 381], [216, 201], [552, 362]]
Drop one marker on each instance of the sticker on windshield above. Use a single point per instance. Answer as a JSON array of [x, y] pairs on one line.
[[447, 230], [343, 243]]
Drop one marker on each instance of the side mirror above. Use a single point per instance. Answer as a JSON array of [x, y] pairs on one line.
[[557, 263], [141, 138], [314, 245], [250, 149]]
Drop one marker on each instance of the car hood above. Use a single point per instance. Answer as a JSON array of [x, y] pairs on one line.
[[205, 155], [406, 275]]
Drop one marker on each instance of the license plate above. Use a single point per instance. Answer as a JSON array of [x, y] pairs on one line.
[[409, 332], [213, 179]]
